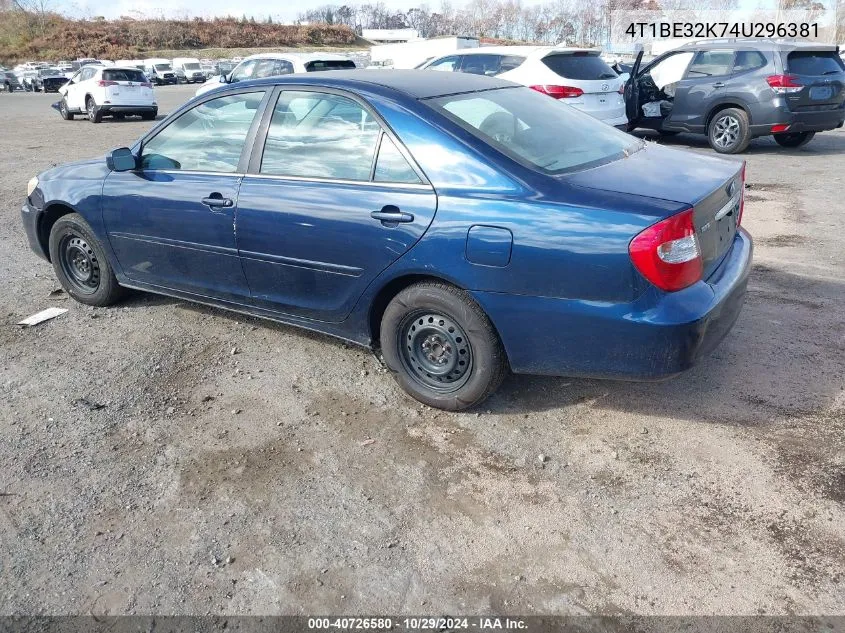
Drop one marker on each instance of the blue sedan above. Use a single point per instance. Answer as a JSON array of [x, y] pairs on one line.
[[465, 225]]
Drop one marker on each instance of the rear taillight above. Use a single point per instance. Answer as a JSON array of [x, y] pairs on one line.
[[103, 83], [741, 194], [621, 89], [559, 92], [784, 84], [667, 253]]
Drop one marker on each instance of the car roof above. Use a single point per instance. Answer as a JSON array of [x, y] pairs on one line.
[[525, 51], [303, 57], [419, 84], [757, 44]]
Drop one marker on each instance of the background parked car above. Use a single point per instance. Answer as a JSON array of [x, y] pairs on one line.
[[190, 68], [734, 91], [10, 81], [277, 64], [49, 80], [99, 91], [160, 71], [577, 75]]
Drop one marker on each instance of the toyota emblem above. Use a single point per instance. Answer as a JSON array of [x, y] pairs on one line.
[[605, 87]]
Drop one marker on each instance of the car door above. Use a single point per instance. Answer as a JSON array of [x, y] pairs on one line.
[[701, 88], [171, 221], [75, 95], [632, 93], [331, 199]]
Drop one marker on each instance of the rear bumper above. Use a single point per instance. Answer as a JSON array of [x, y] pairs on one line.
[[657, 336], [798, 121], [127, 109]]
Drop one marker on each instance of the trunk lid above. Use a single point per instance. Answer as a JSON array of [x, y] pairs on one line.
[[822, 75], [712, 186]]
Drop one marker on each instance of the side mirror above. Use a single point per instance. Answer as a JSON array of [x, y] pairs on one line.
[[121, 159]]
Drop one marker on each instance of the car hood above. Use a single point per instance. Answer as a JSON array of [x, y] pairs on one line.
[[660, 172], [88, 169]]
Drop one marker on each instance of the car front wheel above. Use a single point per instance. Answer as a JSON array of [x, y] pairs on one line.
[[64, 110], [441, 347], [80, 262], [796, 139], [729, 131]]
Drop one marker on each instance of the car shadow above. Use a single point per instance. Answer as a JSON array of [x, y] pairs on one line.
[[784, 357], [823, 144]]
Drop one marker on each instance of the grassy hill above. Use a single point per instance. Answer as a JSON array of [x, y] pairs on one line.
[[25, 36]]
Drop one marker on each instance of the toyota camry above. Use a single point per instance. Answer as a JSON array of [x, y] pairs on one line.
[[463, 225]]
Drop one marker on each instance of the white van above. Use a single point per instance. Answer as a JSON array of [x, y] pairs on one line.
[[191, 67], [159, 71]]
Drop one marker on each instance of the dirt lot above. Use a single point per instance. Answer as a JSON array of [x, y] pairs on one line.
[[161, 457]]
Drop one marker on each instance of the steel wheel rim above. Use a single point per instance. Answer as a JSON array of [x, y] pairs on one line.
[[91, 109], [63, 107], [79, 264], [726, 131], [435, 351]]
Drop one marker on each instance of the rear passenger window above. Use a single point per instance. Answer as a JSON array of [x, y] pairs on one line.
[[320, 135], [748, 60], [481, 64], [711, 64], [391, 166], [510, 62]]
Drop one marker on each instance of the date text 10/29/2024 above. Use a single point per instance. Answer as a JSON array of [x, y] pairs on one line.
[[480, 623]]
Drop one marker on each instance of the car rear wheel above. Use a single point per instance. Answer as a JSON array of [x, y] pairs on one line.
[[67, 115], [796, 139], [80, 263], [729, 132], [441, 347], [94, 114]]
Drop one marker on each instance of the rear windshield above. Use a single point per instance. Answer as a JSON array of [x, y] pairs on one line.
[[124, 75], [334, 64], [814, 63], [539, 132], [579, 66]]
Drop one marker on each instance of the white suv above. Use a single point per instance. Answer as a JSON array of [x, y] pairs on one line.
[[99, 91], [577, 76], [275, 64]]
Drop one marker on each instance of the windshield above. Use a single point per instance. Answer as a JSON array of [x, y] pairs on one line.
[[535, 130], [162, 67], [46, 72], [191, 66]]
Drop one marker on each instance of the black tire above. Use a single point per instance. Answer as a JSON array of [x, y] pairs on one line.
[[149, 116], [66, 114], [94, 113], [455, 359], [796, 139], [81, 264], [729, 131]]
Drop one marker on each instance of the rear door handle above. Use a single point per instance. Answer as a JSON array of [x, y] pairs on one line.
[[217, 201], [391, 215], [719, 84]]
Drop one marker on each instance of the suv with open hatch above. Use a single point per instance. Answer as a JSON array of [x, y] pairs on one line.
[[736, 90]]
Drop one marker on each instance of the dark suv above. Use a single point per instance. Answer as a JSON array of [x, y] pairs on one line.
[[736, 90]]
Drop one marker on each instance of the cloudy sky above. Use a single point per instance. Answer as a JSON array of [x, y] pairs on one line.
[[285, 10]]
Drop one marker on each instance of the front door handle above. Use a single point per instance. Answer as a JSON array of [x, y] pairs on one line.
[[217, 201], [719, 84], [391, 215]]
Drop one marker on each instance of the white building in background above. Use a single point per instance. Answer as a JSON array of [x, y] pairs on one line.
[[413, 53], [390, 36]]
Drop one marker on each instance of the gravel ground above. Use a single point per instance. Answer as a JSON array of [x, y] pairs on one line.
[[163, 457]]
